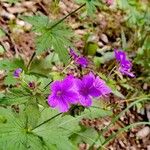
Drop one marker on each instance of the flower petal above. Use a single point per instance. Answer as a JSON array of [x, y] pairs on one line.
[[101, 86], [88, 80], [82, 61], [56, 86], [94, 92], [85, 101], [71, 97], [62, 106], [120, 55], [17, 72], [126, 64], [68, 82], [126, 72], [52, 101], [78, 84], [73, 54]]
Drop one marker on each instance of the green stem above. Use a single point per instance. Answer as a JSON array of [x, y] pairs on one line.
[[117, 117], [66, 16], [46, 121], [120, 131], [30, 61], [47, 85]]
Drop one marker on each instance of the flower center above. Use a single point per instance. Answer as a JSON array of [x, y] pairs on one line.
[[84, 91], [59, 93]]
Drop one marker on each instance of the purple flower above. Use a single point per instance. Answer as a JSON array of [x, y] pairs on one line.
[[73, 54], [89, 87], [17, 72], [126, 71], [80, 60], [125, 64], [63, 94], [100, 85], [120, 55]]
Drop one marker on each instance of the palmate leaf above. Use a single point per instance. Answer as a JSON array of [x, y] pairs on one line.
[[63, 127], [32, 113], [51, 36], [57, 131], [87, 135], [16, 96], [19, 132], [11, 64], [14, 133]]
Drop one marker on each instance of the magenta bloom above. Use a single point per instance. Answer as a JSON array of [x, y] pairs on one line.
[[63, 94], [125, 64], [73, 54], [120, 55], [89, 87], [101, 86], [80, 60], [17, 72], [125, 71]]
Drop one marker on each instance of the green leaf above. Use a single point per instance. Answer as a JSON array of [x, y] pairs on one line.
[[9, 79], [90, 48], [106, 57], [11, 64], [96, 112], [87, 135], [39, 23], [14, 133], [90, 5], [33, 114], [57, 129], [51, 36], [15, 96]]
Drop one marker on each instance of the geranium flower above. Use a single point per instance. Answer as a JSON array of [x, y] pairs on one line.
[[120, 55], [125, 65], [89, 87], [17, 72], [63, 94], [126, 71], [80, 60], [100, 85], [73, 54]]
